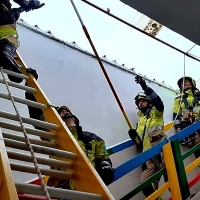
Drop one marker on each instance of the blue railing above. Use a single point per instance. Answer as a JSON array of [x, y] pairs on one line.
[[138, 160], [119, 147]]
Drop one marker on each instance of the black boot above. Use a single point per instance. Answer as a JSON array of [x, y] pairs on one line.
[[35, 4], [29, 5], [7, 61]]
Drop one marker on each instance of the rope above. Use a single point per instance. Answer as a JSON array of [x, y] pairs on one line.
[[44, 188]]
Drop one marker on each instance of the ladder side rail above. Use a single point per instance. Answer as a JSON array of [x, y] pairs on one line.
[[7, 185]]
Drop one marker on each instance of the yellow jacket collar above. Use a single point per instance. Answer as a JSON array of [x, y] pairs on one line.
[[140, 114]]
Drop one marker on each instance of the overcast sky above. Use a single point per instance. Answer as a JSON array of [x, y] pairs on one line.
[[116, 40]]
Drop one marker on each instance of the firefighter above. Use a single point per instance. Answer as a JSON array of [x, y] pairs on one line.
[[150, 129], [8, 34], [187, 110], [92, 145]]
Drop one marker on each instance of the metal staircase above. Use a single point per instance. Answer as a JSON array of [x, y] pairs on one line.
[[88, 185]]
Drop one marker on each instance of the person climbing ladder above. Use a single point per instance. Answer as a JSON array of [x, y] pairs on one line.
[[8, 33]]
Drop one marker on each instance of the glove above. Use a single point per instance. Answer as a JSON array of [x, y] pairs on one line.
[[135, 137], [14, 14], [31, 5], [141, 81], [105, 171], [33, 72]]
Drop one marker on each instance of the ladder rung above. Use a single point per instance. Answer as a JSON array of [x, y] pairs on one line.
[[40, 160], [33, 141], [48, 172], [24, 101], [40, 149], [40, 133], [56, 192], [19, 86], [15, 74], [31, 121]]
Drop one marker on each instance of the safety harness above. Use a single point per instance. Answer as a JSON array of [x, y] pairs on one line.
[[191, 118]]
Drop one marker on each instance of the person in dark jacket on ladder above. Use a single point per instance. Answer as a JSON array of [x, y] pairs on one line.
[[92, 145], [150, 129], [187, 111], [8, 33]]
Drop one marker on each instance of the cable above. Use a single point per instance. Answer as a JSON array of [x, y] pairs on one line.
[[191, 48], [44, 188]]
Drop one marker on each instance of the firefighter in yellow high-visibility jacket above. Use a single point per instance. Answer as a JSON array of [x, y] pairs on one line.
[[150, 129], [186, 110], [8, 33]]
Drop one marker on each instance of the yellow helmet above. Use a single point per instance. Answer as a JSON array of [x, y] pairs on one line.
[[192, 81]]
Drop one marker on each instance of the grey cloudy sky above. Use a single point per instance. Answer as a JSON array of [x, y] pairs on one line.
[[116, 40]]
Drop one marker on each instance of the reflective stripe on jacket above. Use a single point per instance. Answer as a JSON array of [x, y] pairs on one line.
[[8, 31]]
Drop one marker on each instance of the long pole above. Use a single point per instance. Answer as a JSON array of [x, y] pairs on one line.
[[140, 30], [101, 65]]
